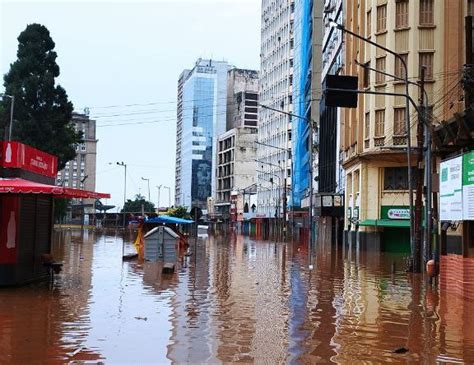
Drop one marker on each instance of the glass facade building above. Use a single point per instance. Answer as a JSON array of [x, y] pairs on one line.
[[201, 118]]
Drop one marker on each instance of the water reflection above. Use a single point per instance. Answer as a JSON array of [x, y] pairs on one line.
[[234, 300]]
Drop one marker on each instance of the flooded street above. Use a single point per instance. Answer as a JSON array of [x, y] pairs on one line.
[[237, 300]]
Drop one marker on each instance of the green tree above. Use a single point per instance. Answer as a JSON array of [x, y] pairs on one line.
[[135, 206], [61, 207], [42, 111], [179, 212]]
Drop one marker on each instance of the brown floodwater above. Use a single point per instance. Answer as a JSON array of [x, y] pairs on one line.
[[236, 300]]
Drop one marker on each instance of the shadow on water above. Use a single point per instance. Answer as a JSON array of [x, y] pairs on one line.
[[236, 299]]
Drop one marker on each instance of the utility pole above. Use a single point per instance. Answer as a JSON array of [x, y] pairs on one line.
[[419, 179], [427, 242]]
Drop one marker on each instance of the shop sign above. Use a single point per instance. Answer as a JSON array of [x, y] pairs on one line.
[[20, 156], [398, 214], [395, 212]]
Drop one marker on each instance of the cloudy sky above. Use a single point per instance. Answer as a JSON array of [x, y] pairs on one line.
[[122, 61]]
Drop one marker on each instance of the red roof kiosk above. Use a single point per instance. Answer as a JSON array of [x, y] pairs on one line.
[[27, 192]]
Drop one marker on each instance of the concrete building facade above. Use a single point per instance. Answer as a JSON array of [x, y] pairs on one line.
[[179, 136], [201, 119], [80, 173], [242, 98], [275, 91], [237, 164], [236, 148], [373, 135]]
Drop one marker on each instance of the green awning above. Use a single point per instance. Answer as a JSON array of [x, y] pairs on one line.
[[385, 223], [368, 222], [393, 223]]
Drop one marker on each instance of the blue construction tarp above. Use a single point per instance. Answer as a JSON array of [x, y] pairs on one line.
[[169, 220]]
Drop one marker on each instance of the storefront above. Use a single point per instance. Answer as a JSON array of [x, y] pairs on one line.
[[27, 193]]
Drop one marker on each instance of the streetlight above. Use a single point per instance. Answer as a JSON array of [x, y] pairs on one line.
[[169, 195], [159, 190], [283, 170], [148, 182], [311, 122], [10, 126], [333, 24], [124, 165]]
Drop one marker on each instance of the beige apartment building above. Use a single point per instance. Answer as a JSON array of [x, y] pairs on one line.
[[373, 135], [80, 173]]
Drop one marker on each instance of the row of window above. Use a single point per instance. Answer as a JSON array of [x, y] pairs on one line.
[[426, 15], [425, 60], [399, 122]]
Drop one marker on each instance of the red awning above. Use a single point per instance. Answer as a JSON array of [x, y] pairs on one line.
[[21, 186]]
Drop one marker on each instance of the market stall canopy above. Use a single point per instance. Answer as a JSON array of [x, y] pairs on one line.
[[21, 186], [168, 220]]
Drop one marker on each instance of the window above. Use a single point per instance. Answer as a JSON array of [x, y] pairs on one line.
[[367, 74], [399, 68], [401, 14], [379, 123], [399, 122], [380, 66], [83, 147], [426, 60], [426, 12], [369, 23], [396, 178], [381, 18], [367, 125]]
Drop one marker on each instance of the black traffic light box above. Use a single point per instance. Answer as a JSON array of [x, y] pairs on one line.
[[339, 91]]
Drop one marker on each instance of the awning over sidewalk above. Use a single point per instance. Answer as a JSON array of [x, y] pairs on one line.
[[385, 223], [168, 220], [21, 186]]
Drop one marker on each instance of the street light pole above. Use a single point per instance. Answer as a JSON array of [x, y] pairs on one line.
[[169, 195], [285, 192], [10, 126], [124, 188], [148, 182], [310, 122], [159, 191], [415, 265]]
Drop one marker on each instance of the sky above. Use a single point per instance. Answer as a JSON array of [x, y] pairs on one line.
[[122, 60]]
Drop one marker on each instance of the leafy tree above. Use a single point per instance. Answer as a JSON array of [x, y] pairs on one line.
[[135, 206], [179, 212], [60, 208], [42, 111]]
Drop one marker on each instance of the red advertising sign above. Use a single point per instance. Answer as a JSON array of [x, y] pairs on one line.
[[17, 155], [9, 232]]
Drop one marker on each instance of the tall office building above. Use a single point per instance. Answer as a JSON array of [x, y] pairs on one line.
[[80, 172], [202, 104], [276, 80]]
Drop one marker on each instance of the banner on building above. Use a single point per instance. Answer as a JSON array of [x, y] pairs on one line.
[[468, 186], [17, 155], [457, 188]]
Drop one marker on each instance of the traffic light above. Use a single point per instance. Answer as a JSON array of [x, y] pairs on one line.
[[335, 94]]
